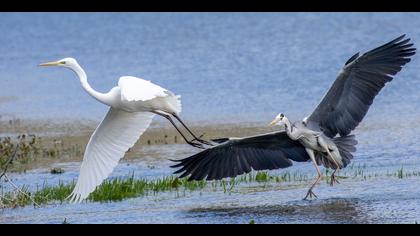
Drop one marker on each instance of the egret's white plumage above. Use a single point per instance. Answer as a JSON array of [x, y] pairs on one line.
[[133, 104], [129, 89], [118, 132]]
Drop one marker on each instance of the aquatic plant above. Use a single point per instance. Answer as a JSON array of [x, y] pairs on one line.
[[25, 145], [56, 171], [31, 147], [118, 189], [400, 173]]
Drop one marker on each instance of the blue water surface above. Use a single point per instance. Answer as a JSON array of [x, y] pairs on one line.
[[228, 67]]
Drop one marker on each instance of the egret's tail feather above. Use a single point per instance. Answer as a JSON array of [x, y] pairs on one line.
[[174, 101]]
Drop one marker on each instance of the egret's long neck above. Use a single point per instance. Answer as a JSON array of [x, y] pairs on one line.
[[290, 130], [101, 97]]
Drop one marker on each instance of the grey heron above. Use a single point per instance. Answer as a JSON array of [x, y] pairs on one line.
[[323, 137]]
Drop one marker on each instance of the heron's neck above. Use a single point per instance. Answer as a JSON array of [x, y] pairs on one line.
[[101, 97], [290, 129]]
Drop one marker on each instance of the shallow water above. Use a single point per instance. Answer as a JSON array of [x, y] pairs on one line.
[[231, 68], [382, 199]]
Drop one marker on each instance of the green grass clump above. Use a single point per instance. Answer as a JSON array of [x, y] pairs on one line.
[[116, 189], [45, 194], [262, 176], [400, 173], [122, 188], [119, 189]]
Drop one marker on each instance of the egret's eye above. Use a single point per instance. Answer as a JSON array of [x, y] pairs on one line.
[[62, 62]]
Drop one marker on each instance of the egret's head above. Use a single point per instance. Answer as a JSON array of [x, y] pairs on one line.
[[279, 120], [66, 62]]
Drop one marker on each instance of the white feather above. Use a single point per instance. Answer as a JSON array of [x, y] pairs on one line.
[[142, 95], [118, 132], [133, 103], [130, 89]]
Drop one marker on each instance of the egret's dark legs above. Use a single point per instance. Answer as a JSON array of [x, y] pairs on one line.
[[192, 134], [192, 143], [310, 193]]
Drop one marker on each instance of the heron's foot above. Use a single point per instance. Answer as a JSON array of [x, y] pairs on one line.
[[334, 180], [310, 195]]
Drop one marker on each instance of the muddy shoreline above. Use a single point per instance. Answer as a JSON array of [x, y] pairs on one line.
[[157, 134], [69, 138]]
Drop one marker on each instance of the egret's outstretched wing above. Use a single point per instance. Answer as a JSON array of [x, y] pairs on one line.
[[240, 155], [118, 132], [360, 80]]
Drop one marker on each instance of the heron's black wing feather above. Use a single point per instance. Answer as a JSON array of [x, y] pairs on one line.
[[238, 156], [360, 80]]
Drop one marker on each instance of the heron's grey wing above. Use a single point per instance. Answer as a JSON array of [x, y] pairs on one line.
[[360, 80], [240, 155]]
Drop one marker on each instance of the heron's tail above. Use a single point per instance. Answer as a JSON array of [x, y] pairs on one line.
[[346, 145]]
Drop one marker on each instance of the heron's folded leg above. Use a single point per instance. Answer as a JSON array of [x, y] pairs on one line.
[[334, 178], [337, 167], [332, 158], [310, 193]]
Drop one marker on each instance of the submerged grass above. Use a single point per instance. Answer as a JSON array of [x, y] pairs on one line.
[[119, 189], [116, 189]]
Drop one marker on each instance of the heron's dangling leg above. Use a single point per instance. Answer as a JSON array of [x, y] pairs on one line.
[[332, 158], [192, 134], [197, 145], [310, 193], [333, 178], [337, 167]]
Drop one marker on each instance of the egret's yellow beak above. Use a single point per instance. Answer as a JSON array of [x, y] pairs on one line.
[[54, 63], [275, 121]]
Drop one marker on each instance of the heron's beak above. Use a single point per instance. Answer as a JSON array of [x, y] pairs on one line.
[[275, 121], [54, 63]]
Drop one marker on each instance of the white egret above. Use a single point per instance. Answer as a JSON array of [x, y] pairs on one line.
[[314, 138], [133, 104]]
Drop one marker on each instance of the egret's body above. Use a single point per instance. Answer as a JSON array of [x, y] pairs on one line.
[[133, 104], [322, 138]]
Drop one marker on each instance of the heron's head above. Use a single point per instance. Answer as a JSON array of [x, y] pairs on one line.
[[279, 120], [66, 62]]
